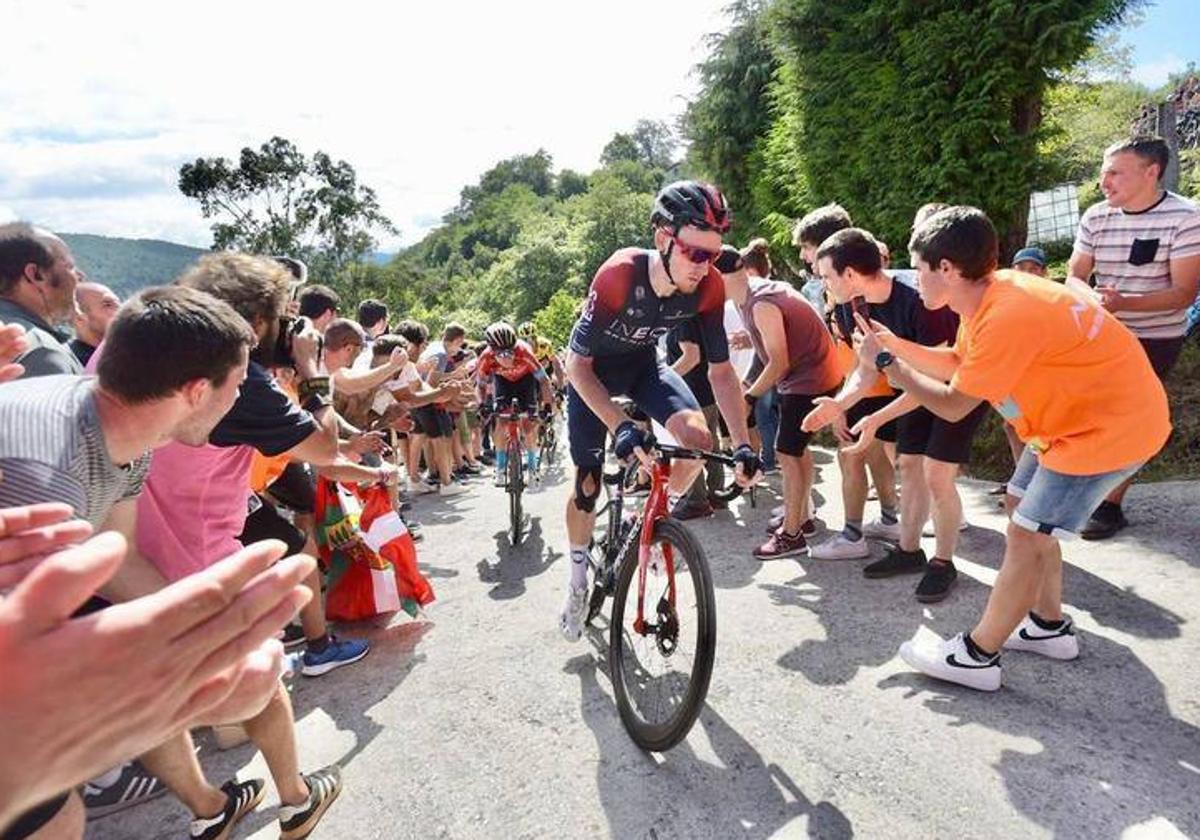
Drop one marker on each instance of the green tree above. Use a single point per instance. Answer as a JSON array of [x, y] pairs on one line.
[[1087, 109], [609, 216], [535, 171], [902, 102], [651, 143], [277, 200], [569, 183], [557, 317], [728, 121]]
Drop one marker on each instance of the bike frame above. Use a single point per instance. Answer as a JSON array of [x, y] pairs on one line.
[[654, 510]]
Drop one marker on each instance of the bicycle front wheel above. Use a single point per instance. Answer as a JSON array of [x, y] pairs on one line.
[[660, 675], [516, 484]]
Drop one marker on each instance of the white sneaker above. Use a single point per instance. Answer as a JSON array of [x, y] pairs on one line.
[[574, 611], [501, 477], [1057, 644], [420, 487], [453, 489], [778, 510], [949, 660], [928, 531], [840, 548], [879, 530]]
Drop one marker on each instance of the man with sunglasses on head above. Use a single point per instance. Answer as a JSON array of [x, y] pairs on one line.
[[636, 297]]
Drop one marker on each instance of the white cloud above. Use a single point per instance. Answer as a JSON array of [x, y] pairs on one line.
[[1153, 74], [420, 98]]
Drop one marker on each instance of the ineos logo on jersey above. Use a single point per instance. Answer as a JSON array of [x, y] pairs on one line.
[[635, 335]]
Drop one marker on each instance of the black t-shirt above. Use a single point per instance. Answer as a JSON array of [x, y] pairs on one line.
[[82, 350], [697, 377], [904, 314], [263, 417]]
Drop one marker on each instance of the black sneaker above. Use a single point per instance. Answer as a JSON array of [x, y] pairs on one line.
[[293, 636], [896, 562], [241, 799], [298, 821], [940, 577], [133, 786], [1105, 522]]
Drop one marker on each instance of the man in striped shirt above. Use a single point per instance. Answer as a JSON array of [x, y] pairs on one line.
[[1143, 244]]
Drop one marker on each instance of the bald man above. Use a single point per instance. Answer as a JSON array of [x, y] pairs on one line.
[[96, 306], [38, 278]]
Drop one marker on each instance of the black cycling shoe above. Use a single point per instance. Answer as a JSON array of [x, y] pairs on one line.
[[940, 577], [896, 562], [1105, 522]]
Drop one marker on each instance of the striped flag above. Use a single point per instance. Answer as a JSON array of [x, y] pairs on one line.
[[368, 553]]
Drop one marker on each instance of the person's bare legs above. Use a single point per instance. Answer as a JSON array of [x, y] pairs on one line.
[[273, 731], [690, 429], [914, 501], [1022, 582], [67, 824], [415, 444], [946, 505], [175, 764], [854, 484], [797, 489], [441, 454], [881, 464]]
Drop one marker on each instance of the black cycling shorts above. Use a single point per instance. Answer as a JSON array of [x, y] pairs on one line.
[[35, 819], [432, 421], [266, 523], [656, 389], [524, 391], [296, 488], [1163, 353], [869, 405], [921, 432], [791, 439]]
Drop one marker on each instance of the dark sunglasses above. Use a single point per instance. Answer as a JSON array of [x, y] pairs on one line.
[[692, 254]]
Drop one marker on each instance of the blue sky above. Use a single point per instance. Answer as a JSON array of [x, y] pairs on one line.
[[1166, 40], [92, 141]]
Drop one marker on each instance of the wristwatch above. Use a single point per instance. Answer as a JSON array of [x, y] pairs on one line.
[[882, 359]]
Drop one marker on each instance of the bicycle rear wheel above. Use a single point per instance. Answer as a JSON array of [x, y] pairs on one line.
[[660, 678], [516, 484]]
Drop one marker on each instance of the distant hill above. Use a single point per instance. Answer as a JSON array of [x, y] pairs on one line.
[[127, 265]]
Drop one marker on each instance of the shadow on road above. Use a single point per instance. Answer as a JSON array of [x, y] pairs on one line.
[[507, 570], [1110, 753], [679, 794]]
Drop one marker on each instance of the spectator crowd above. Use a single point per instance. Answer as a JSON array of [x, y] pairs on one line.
[[170, 465]]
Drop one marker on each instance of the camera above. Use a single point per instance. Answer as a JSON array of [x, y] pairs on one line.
[[290, 326]]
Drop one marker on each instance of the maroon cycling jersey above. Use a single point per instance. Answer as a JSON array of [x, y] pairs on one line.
[[812, 359], [623, 315]]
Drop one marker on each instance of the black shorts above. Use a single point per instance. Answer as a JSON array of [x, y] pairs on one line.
[[654, 388], [266, 523], [432, 421], [791, 439], [1163, 353], [524, 391], [35, 819], [869, 405], [296, 488], [924, 433]]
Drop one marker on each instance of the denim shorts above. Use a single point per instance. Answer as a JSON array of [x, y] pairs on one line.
[[1055, 503]]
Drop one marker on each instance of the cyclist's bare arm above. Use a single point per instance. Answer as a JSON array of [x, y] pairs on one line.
[[727, 389], [582, 376]]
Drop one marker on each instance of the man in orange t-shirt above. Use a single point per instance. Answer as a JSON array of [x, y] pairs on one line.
[[1078, 389]]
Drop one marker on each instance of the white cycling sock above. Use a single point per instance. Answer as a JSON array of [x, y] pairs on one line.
[[579, 566]]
